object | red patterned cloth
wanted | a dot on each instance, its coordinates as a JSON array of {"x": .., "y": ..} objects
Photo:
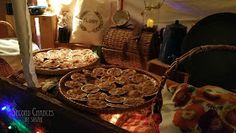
[{"x": 138, "y": 123}]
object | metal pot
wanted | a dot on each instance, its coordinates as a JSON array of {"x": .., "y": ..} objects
[{"x": 171, "y": 37}]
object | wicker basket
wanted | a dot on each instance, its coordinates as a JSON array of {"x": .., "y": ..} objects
[
  {"x": 117, "y": 57},
  {"x": 7, "y": 30},
  {"x": 129, "y": 47},
  {"x": 5, "y": 69},
  {"x": 107, "y": 110},
  {"x": 157, "y": 103},
  {"x": 56, "y": 71}
]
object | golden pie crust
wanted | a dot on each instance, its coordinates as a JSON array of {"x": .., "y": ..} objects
[
  {"x": 117, "y": 91},
  {"x": 78, "y": 77},
  {"x": 114, "y": 72},
  {"x": 73, "y": 84},
  {"x": 97, "y": 96},
  {"x": 106, "y": 86},
  {"x": 135, "y": 93},
  {"x": 128, "y": 72},
  {"x": 115, "y": 99},
  {"x": 138, "y": 78},
  {"x": 52, "y": 64},
  {"x": 90, "y": 88},
  {"x": 98, "y": 72},
  {"x": 74, "y": 91},
  {"x": 76, "y": 94}
]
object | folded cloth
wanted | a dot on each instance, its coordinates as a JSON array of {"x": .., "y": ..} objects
[
  {"x": 10, "y": 47},
  {"x": 138, "y": 121}
]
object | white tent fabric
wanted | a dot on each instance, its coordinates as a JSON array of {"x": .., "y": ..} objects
[
  {"x": 187, "y": 11},
  {"x": 24, "y": 35}
]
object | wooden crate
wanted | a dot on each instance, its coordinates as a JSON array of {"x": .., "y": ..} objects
[{"x": 48, "y": 29}]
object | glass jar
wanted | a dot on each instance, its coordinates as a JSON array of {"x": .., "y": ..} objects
[{"x": 64, "y": 20}]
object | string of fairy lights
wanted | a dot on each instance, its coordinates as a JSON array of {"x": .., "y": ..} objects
[{"x": 11, "y": 123}]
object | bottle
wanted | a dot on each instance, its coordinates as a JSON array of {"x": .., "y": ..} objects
[
  {"x": 9, "y": 8},
  {"x": 63, "y": 27}
]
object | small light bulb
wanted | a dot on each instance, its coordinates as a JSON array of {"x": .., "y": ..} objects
[
  {"x": 9, "y": 127},
  {"x": 4, "y": 108},
  {"x": 39, "y": 130}
]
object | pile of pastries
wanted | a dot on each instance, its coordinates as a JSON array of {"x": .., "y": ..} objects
[
  {"x": 110, "y": 87},
  {"x": 61, "y": 59}
]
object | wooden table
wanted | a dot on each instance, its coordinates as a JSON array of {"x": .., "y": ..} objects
[{"x": 53, "y": 96}]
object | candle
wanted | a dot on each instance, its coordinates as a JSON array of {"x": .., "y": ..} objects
[{"x": 150, "y": 23}]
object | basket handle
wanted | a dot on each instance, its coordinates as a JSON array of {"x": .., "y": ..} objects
[
  {"x": 137, "y": 32},
  {"x": 175, "y": 64}
]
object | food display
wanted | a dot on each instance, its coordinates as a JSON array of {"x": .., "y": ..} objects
[
  {"x": 108, "y": 88},
  {"x": 63, "y": 60}
]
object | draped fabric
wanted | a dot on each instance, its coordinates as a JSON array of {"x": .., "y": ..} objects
[
  {"x": 187, "y": 11},
  {"x": 24, "y": 35}
]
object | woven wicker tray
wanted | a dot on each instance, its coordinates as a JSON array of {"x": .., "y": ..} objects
[
  {"x": 57, "y": 71},
  {"x": 107, "y": 110}
]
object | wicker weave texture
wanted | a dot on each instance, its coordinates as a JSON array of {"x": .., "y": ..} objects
[
  {"x": 7, "y": 30},
  {"x": 127, "y": 59},
  {"x": 5, "y": 68},
  {"x": 124, "y": 40}
]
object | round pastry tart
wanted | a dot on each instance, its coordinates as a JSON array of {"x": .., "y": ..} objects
[
  {"x": 77, "y": 94},
  {"x": 90, "y": 88},
  {"x": 108, "y": 88},
  {"x": 114, "y": 72},
  {"x": 73, "y": 84},
  {"x": 78, "y": 76},
  {"x": 98, "y": 72},
  {"x": 117, "y": 91},
  {"x": 134, "y": 93},
  {"x": 97, "y": 96}
]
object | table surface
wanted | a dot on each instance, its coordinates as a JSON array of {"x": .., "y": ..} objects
[{"x": 168, "y": 110}]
